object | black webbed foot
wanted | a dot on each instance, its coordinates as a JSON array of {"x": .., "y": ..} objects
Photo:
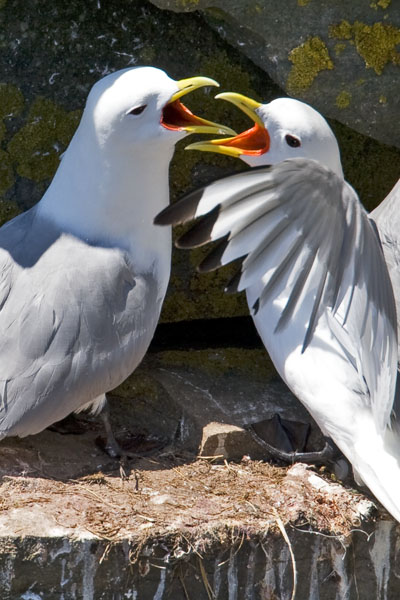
[{"x": 288, "y": 443}]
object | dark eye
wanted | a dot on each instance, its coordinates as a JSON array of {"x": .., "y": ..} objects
[
  {"x": 292, "y": 141},
  {"x": 138, "y": 110}
]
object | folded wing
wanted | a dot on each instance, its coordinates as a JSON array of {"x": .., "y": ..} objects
[{"x": 73, "y": 323}]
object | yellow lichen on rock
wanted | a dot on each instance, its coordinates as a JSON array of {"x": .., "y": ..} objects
[
  {"x": 6, "y": 173},
  {"x": 339, "y": 47},
  {"x": 343, "y": 99},
  {"x": 303, "y": 2},
  {"x": 11, "y": 100},
  {"x": 380, "y": 4},
  {"x": 36, "y": 147},
  {"x": 8, "y": 210},
  {"x": 188, "y": 3},
  {"x": 341, "y": 31},
  {"x": 308, "y": 60},
  {"x": 376, "y": 43}
]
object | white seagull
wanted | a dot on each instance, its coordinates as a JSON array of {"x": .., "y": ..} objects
[
  {"x": 315, "y": 278},
  {"x": 84, "y": 272}
]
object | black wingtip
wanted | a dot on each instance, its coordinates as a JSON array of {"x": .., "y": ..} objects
[
  {"x": 162, "y": 218},
  {"x": 256, "y": 306},
  {"x": 233, "y": 285},
  {"x": 200, "y": 233},
  {"x": 182, "y": 211},
  {"x": 213, "y": 260}
]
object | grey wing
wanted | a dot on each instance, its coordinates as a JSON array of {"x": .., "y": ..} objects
[
  {"x": 321, "y": 239},
  {"x": 387, "y": 219},
  {"x": 73, "y": 325}
]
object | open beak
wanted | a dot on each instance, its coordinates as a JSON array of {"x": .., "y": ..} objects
[
  {"x": 178, "y": 117},
  {"x": 252, "y": 142}
]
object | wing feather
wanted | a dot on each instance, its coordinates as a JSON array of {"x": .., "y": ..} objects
[
  {"x": 387, "y": 219},
  {"x": 73, "y": 321},
  {"x": 317, "y": 237},
  {"x": 202, "y": 201}
]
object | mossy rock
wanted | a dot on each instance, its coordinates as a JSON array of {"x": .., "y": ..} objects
[{"x": 318, "y": 51}]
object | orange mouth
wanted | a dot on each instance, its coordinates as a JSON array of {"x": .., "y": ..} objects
[
  {"x": 176, "y": 116},
  {"x": 252, "y": 142}
]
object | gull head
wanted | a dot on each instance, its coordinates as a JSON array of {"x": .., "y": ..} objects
[
  {"x": 143, "y": 105},
  {"x": 113, "y": 177},
  {"x": 284, "y": 128}
]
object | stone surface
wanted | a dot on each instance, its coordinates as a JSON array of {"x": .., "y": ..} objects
[
  {"x": 341, "y": 57},
  {"x": 233, "y": 386},
  {"x": 75, "y": 524},
  {"x": 146, "y": 536},
  {"x": 228, "y": 442},
  {"x": 255, "y": 567}
]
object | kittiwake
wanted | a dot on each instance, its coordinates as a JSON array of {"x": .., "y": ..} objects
[
  {"x": 315, "y": 277},
  {"x": 84, "y": 272}
]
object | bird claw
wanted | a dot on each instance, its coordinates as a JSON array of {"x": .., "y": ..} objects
[
  {"x": 329, "y": 456},
  {"x": 111, "y": 446}
]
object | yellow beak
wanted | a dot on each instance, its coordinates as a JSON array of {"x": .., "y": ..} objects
[
  {"x": 185, "y": 86},
  {"x": 253, "y": 141},
  {"x": 177, "y": 116},
  {"x": 246, "y": 105}
]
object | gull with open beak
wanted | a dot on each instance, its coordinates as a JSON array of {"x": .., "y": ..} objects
[
  {"x": 84, "y": 272},
  {"x": 315, "y": 277}
]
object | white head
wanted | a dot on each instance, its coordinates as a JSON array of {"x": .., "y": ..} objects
[
  {"x": 141, "y": 106},
  {"x": 115, "y": 171},
  {"x": 284, "y": 128},
  {"x": 296, "y": 130}
]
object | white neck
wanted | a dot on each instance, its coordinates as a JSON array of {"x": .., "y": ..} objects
[{"x": 112, "y": 198}]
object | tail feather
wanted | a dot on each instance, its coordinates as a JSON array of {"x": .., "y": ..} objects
[{"x": 376, "y": 459}]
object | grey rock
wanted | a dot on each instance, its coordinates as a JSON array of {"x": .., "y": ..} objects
[
  {"x": 233, "y": 387},
  {"x": 255, "y": 566},
  {"x": 228, "y": 442},
  {"x": 48, "y": 552},
  {"x": 343, "y": 58}
]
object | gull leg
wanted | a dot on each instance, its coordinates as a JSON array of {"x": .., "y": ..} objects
[
  {"x": 320, "y": 456},
  {"x": 112, "y": 447},
  {"x": 330, "y": 455},
  {"x": 99, "y": 406}
]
